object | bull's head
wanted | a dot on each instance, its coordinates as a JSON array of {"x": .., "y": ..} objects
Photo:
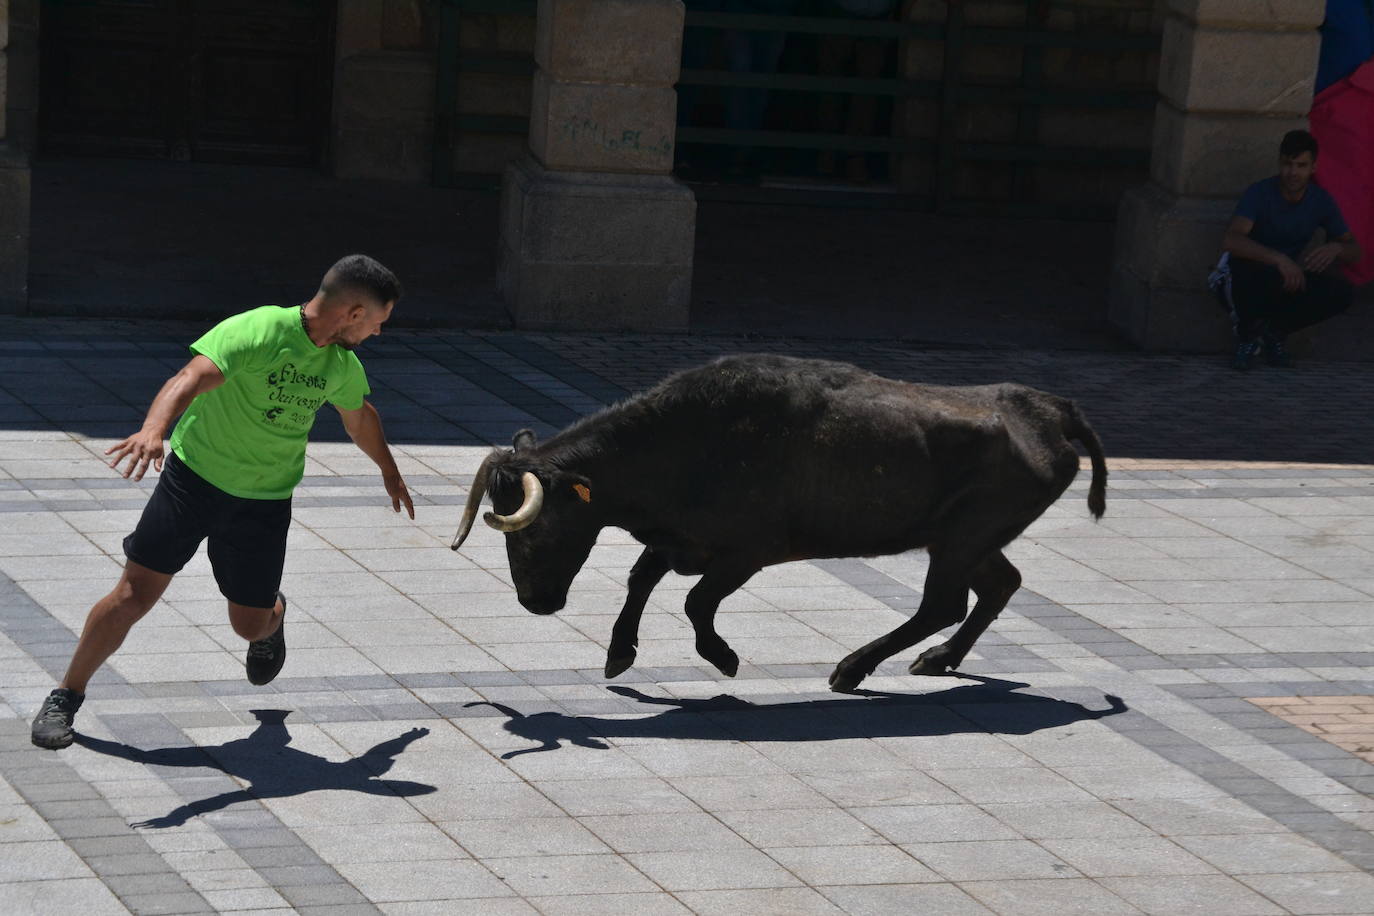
[{"x": 546, "y": 515}]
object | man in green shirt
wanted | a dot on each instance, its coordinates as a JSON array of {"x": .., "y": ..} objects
[{"x": 247, "y": 400}]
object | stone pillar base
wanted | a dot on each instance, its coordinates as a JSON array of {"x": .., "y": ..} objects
[
  {"x": 14, "y": 234},
  {"x": 583, "y": 250},
  {"x": 1165, "y": 247}
]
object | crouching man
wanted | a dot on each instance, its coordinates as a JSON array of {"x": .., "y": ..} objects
[{"x": 1278, "y": 281}]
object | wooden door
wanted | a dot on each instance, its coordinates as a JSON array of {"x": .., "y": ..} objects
[
  {"x": 259, "y": 80},
  {"x": 108, "y": 76},
  {"x": 205, "y": 80}
]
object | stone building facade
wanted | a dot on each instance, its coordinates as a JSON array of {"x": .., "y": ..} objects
[
  {"x": 388, "y": 56},
  {"x": 385, "y": 89},
  {"x": 1236, "y": 75},
  {"x": 1231, "y": 76}
]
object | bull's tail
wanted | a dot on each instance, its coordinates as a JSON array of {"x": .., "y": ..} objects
[{"x": 1076, "y": 427}]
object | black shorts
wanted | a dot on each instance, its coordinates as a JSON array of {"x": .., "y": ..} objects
[{"x": 247, "y": 536}]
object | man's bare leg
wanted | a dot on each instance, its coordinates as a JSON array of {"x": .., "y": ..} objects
[
  {"x": 254, "y": 623},
  {"x": 108, "y": 622},
  {"x": 111, "y": 619}
]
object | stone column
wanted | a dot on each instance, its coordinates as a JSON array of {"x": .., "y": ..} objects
[
  {"x": 18, "y": 111},
  {"x": 383, "y": 105},
  {"x": 1234, "y": 76},
  {"x": 595, "y": 231}
]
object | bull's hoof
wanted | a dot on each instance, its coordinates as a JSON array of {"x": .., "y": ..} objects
[
  {"x": 724, "y": 658},
  {"x": 619, "y": 664},
  {"x": 929, "y": 667},
  {"x": 728, "y": 666},
  {"x": 934, "y": 662},
  {"x": 849, "y": 673},
  {"x": 845, "y": 681}
]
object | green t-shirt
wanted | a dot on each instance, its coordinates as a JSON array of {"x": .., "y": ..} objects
[{"x": 248, "y": 436}]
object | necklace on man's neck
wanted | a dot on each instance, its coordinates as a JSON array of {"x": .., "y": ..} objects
[{"x": 305, "y": 323}]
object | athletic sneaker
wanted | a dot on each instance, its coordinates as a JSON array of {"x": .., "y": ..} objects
[
  {"x": 266, "y": 656},
  {"x": 1275, "y": 353},
  {"x": 1246, "y": 351},
  {"x": 52, "y": 727}
]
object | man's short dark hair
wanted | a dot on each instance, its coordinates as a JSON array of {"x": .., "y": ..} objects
[
  {"x": 360, "y": 273},
  {"x": 1297, "y": 142}
]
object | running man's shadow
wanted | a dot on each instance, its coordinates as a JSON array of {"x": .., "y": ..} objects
[
  {"x": 989, "y": 706},
  {"x": 270, "y": 766}
]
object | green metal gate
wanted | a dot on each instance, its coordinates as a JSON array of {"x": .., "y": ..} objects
[{"x": 947, "y": 152}]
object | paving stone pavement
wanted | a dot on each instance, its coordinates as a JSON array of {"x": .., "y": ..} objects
[{"x": 1167, "y": 718}]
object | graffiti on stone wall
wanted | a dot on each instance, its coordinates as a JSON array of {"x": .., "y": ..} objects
[{"x": 588, "y": 130}]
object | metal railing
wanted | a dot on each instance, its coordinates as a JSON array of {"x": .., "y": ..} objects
[{"x": 945, "y": 150}]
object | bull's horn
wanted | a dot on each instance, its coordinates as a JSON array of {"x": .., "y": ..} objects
[
  {"x": 479, "y": 490},
  {"x": 522, "y": 517}
]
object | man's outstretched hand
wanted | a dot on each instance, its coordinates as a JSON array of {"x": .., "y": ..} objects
[
  {"x": 143, "y": 448},
  {"x": 396, "y": 489}
]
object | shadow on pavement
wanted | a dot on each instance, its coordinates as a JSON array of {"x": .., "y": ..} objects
[
  {"x": 270, "y": 767},
  {"x": 988, "y": 707}
]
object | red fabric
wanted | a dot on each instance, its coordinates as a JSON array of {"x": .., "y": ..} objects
[{"x": 1342, "y": 120}]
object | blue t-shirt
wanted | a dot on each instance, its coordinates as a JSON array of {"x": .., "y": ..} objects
[{"x": 1288, "y": 227}]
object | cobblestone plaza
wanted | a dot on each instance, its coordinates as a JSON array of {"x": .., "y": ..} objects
[{"x": 1174, "y": 715}]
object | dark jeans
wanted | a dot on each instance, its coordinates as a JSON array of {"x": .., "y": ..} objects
[{"x": 1259, "y": 303}]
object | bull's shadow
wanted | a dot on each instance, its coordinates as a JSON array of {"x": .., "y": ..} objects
[
  {"x": 270, "y": 766},
  {"x": 989, "y": 706}
]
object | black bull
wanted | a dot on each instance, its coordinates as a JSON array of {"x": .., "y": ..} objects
[{"x": 755, "y": 460}]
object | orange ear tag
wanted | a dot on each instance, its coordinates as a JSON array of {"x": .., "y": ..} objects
[{"x": 583, "y": 493}]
